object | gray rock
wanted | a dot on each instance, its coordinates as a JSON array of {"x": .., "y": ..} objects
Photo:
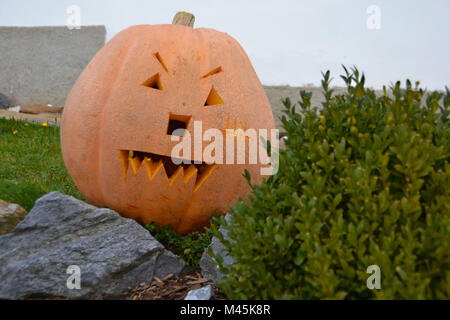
[
  {"x": 10, "y": 215},
  {"x": 208, "y": 265},
  {"x": 204, "y": 293},
  {"x": 113, "y": 253},
  {"x": 4, "y": 102}
]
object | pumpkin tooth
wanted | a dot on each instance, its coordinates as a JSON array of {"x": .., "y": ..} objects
[
  {"x": 189, "y": 173},
  {"x": 124, "y": 162},
  {"x": 175, "y": 175},
  {"x": 172, "y": 171},
  {"x": 152, "y": 167},
  {"x": 135, "y": 162},
  {"x": 203, "y": 175}
]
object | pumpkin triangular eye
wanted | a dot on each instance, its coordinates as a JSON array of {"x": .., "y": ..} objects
[
  {"x": 153, "y": 82},
  {"x": 213, "y": 98}
]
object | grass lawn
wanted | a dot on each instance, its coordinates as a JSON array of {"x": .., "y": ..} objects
[{"x": 31, "y": 163}]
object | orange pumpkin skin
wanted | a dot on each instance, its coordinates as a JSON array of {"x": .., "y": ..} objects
[{"x": 111, "y": 110}]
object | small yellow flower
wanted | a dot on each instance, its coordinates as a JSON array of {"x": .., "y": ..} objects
[
  {"x": 44, "y": 124},
  {"x": 15, "y": 132}
]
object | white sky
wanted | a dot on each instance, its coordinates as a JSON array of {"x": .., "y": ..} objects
[{"x": 288, "y": 41}]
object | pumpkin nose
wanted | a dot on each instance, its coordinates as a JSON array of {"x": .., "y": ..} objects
[{"x": 178, "y": 124}]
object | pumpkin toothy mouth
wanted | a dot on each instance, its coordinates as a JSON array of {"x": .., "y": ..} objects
[{"x": 154, "y": 162}]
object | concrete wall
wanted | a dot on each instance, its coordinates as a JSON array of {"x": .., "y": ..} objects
[{"x": 40, "y": 64}]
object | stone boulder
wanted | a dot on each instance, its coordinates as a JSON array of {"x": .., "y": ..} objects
[
  {"x": 10, "y": 215},
  {"x": 4, "y": 102},
  {"x": 205, "y": 293},
  {"x": 208, "y": 265},
  {"x": 68, "y": 248}
]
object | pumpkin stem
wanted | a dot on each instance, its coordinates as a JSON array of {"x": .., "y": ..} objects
[{"x": 184, "y": 18}]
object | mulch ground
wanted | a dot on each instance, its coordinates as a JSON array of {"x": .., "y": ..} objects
[{"x": 169, "y": 288}]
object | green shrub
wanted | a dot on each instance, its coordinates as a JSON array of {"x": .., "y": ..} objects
[{"x": 364, "y": 180}]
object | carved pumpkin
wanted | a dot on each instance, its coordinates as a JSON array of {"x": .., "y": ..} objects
[{"x": 119, "y": 117}]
